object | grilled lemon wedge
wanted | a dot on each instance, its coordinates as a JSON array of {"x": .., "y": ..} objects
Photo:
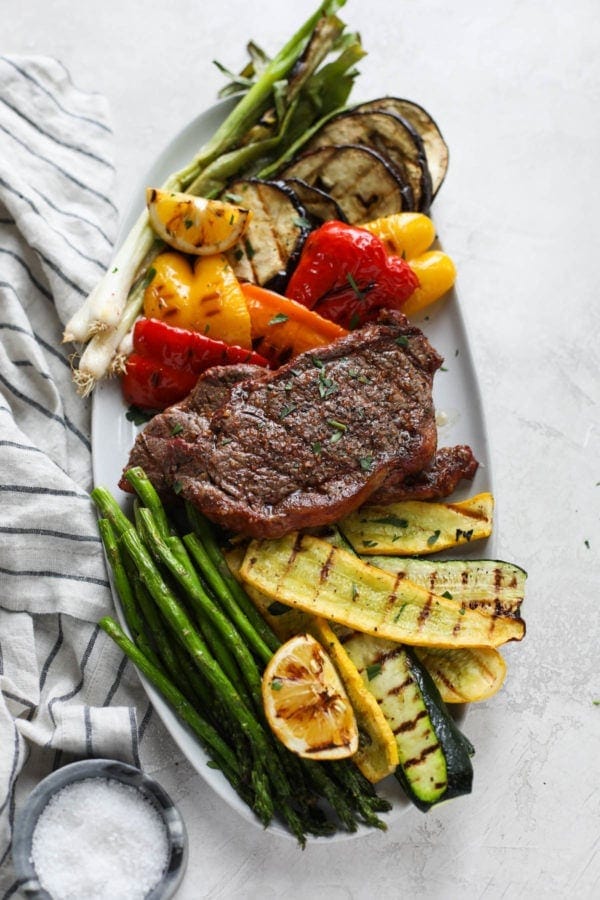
[
  {"x": 194, "y": 224},
  {"x": 305, "y": 702}
]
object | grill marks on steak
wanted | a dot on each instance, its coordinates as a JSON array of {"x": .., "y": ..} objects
[
  {"x": 165, "y": 441},
  {"x": 306, "y": 444},
  {"x": 438, "y": 480}
]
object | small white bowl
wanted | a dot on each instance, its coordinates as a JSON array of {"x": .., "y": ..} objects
[{"x": 99, "y": 768}]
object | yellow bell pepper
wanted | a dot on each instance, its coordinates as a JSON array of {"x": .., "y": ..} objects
[
  {"x": 436, "y": 273},
  {"x": 410, "y": 235},
  {"x": 405, "y": 234},
  {"x": 206, "y": 298}
]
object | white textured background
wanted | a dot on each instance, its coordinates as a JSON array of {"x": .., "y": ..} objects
[{"x": 515, "y": 87}]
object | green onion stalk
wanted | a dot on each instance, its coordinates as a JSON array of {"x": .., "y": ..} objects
[{"x": 287, "y": 95}]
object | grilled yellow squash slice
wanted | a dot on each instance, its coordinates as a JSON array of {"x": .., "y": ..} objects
[
  {"x": 377, "y": 754},
  {"x": 466, "y": 675},
  {"x": 307, "y": 572},
  {"x": 418, "y": 527}
]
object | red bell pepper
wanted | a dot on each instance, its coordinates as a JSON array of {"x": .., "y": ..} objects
[
  {"x": 345, "y": 274},
  {"x": 166, "y": 362},
  {"x": 152, "y": 386},
  {"x": 188, "y": 351}
]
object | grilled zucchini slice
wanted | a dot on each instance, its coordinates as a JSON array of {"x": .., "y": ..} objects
[
  {"x": 466, "y": 675},
  {"x": 360, "y": 180},
  {"x": 487, "y": 584},
  {"x": 275, "y": 235},
  {"x": 388, "y": 134},
  {"x": 434, "y": 757}
]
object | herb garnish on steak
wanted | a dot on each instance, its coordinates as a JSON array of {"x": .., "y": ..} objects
[{"x": 306, "y": 444}]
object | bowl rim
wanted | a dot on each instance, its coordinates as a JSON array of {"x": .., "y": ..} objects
[{"x": 108, "y": 769}]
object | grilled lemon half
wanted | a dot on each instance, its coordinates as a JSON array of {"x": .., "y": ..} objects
[
  {"x": 305, "y": 702},
  {"x": 194, "y": 224}
]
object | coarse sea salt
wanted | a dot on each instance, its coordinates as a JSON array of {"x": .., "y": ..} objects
[{"x": 99, "y": 839}]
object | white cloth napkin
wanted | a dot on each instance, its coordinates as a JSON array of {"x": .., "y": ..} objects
[{"x": 65, "y": 690}]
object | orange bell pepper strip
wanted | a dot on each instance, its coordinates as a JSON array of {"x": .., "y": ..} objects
[{"x": 282, "y": 328}]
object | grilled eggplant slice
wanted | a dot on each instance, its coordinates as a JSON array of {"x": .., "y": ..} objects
[
  {"x": 274, "y": 238},
  {"x": 359, "y": 180},
  {"x": 388, "y": 134},
  {"x": 320, "y": 207},
  {"x": 436, "y": 149}
]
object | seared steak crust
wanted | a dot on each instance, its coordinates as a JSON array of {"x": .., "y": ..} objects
[
  {"x": 156, "y": 448},
  {"x": 440, "y": 479},
  {"x": 304, "y": 445}
]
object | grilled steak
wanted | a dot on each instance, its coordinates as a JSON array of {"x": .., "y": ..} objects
[
  {"x": 156, "y": 449},
  {"x": 440, "y": 479},
  {"x": 306, "y": 444}
]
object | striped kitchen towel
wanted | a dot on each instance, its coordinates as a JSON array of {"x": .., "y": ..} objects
[{"x": 65, "y": 690}]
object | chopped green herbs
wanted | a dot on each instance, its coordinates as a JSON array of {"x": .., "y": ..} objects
[
  {"x": 176, "y": 429},
  {"x": 302, "y": 222},
  {"x": 137, "y": 416},
  {"x": 373, "y": 671},
  {"x": 188, "y": 223},
  {"x": 402, "y": 341},
  {"x": 278, "y": 319},
  {"x": 339, "y": 429},
  {"x": 400, "y": 611},
  {"x": 395, "y": 521},
  {"x": 366, "y": 463},
  {"x": 354, "y": 286},
  {"x": 276, "y": 684},
  {"x": 433, "y": 538},
  {"x": 286, "y": 410},
  {"x": 177, "y": 487},
  {"x": 316, "y": 448},
  {"x": 327, "y": 386}
]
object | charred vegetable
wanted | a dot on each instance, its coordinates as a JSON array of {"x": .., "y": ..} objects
[
  {"x": 436, "y": 149},
  {"x": 488, "y": 584},
  {"x": 413, "y": 527},
  {"x": 306, "y": 572},
  {"x": 434, "y": 759},
  {"x": 392, "y": 137},
  {"x": 275, "y": 235},
  {"x": 345, "y": 274},
  {"x": 319, "y": 205},
  {"x": 360, "y": 180}
]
